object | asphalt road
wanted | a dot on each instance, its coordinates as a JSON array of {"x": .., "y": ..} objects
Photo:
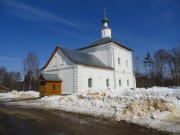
[{"x": 18, "y": 121}]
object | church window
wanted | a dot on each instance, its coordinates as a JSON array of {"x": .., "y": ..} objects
[
  {"x": 90, "y": 82},
  {"x": 107, "y": 82},
  {"x": 126, "y": 63},
  {"x": 119, "y": 61},
  {"x": 119, "y": 82},
  {"x": 60, "y": 60},
  {"x": 127, "y": 82},
  {"x": 55, "y": 60}
]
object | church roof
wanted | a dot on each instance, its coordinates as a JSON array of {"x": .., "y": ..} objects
[
  {"x": 83, "y": 58},
  {"x": 105, "y": 20},
  {"x": 79, "y": 58},
  {"x": 104, "y": 41},
  {"x": 51, "y": 77}
]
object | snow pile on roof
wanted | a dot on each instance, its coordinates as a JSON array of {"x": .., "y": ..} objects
[{"x": 154, "y": 107}]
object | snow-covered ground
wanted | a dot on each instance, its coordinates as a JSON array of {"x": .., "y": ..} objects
[
  {"x": 154, "y": 107},
  {"x": 18, "y": 95}
]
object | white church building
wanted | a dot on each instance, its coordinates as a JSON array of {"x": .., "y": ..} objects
[{"x": 103, "y": 64}]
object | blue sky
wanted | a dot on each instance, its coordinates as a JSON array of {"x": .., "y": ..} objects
[{"x": 41, "y": 25}]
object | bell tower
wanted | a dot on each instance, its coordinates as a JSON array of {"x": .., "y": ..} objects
[{"x": 106, "y": 30}]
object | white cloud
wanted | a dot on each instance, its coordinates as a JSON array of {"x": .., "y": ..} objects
[
  {"x": 10, "y": 59},
  {"x": 31, "y": 13},
  {"x": 69, "y": 33}
]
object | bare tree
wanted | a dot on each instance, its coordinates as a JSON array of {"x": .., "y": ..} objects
[
  {"x": 3, "y": 72},
  {"x": 9, "y": 79},
  {"x": 14, "y": 77},
  {"x": 31, "y": 68},
  {"x": 160, "y": 60},
  {"x": 174, "y": 63},
  {"x": 149, "y": 65},
  {"x": 137, "y": 64},
  {"x": 161, "y": 70}
]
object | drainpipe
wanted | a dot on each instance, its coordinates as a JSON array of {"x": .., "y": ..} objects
[
  {"x": 114, "y": 67},
  {"x": 74, "y": 79},
  {"x": 134, "y": 77},
  {"x": 134, "y": 81}
]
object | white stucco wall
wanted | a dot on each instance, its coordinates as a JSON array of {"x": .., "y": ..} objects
[
  {"x": 124, "y": 56},
  {"x": 66, "y": 75},
  {"x": 67, "y": 80},
  {"x": 102, "y": 52},
  {"x": 62, "y": 60},
  {"x": 124, "y": 70},
  {"x": 65, "y": 69},
  {"x": 98, "y": 76},
  {"x": 106, "y": 32},
  {"x": 124, "y": 78},
  {"x": 109, "y": 54}
]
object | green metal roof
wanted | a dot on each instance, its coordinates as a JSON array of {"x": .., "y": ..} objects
[{"x": 105, "y": 20}]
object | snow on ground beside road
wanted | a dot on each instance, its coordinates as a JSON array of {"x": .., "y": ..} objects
[
  {"x": 18, "y": 95},
  {"x": 154, "y": 107}
]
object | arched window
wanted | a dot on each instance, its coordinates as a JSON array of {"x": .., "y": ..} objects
[
  {"x": 119, "y": 61},
  {"x": 55, "y": 60},
  {"x": 127, "y": 82},
  {"x": 61, "y": 62},
  {"x": 119, "y": 82},
  {"x": 107, "y": 82},
  {"x": 90, "y": 82},
  {"x": 126, "y": 63}
]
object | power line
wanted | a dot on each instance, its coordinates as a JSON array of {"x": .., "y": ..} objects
[
  {"x": 6, "y": 55},
  {"x": 11, "y": 56}
]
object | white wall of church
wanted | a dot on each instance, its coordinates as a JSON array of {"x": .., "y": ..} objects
[
  {"x": 102, "y": 52},
  {"x": 118, "y": 58},
  {"x": 123, "y": 68},
  {"x": 66, "y": 75},
  {"x": 125, "y": 59},
  {"x": 124, "y": 81},
  {"x": 62, "y": 66},
  {"x": 98, "y": 76},
  {"x": 67, "y": 80},
  {"x": 106, "y": 32},
  {"x": 58, "y": 60}
]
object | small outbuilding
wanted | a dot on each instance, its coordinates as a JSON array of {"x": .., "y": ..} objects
[{"x": 50, "y": 84}]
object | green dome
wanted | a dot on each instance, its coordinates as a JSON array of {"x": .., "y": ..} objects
[{"x": 105, "y": 20}]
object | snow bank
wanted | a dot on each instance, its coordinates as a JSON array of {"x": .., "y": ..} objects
[
  {"x": 18, "y": 95},
  {"x": 154, "y": 107}
]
